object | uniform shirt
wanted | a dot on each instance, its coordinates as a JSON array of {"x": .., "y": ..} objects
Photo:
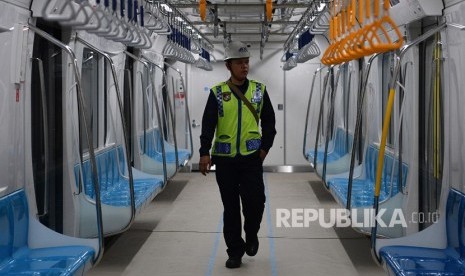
[{"x": 210, "y": 120}]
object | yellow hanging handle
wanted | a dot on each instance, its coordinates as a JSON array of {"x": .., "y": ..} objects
[{"x": 382, "y": 147}]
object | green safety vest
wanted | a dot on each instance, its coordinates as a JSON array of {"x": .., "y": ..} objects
[{"x": 237, "y": 131}]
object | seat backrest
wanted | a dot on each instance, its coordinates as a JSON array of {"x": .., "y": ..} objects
[
  {"x": 152, "y": 142},
  {"x": 390, "y": 163},
  {"x": 110, "y": 166},
  {"x": 455, "y": 224},
  {"x": 14, "y": 222},
  {"x": 342, "y": 141}
]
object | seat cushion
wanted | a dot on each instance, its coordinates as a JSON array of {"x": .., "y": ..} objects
[
  {"x": 362, "y": 191},
  {"x": 410, "y": 260},
  {"x": 66, "y": 260},
  {"x": 332, "y": 156},
  {"x": 114, "y": 187}
]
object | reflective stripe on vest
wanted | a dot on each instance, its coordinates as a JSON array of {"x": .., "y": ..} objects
[{"x": 237, "y": 131}]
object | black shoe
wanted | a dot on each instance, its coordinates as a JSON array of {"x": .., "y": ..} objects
[
  {"x": 233, "y": 262},
  {"x": 251, "y": 248}
]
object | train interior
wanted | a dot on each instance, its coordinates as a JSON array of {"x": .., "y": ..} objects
[{"x": 101, "y": 106}]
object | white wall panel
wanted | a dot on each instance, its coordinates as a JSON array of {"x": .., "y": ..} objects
[
  {"x": 298, "y": 83},
  {"x": 13, "y": 58}
]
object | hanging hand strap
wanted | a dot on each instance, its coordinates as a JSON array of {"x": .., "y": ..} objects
[{"x": 238, "y": 93}]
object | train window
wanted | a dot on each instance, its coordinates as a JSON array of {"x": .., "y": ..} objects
[
  {"x": 145, "y": 116},
  {"x": 90, "y": 89},
  {"x": 167, "y": 91},
  {"x": 47, "y": 75}
]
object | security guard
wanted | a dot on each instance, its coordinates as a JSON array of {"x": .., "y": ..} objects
[{"x": 239, "y": 150}]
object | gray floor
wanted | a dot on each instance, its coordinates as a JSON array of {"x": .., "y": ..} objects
[{"x": 179, "y": 233}]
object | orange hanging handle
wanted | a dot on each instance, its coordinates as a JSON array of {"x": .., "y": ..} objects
[
  {"x": 269, "y": 10},
  {"x": 203, "y": 9},
  {"x": 360, "y": 12},
  {"x": 386, "y": 5},
  {"x": 368, "y": 9},
  {"x": 386, "y": 20},
  {"x": 352, "y": 14},
  {"x": 343, "y": 21}
]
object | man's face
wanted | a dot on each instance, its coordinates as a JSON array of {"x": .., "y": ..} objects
[{"x": 239, "y": 68}]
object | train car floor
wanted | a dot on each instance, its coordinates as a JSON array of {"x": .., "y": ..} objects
[{"x": 180, "y": 233}]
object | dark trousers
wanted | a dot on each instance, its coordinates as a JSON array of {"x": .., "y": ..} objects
[{"x": 241, "y": 179}]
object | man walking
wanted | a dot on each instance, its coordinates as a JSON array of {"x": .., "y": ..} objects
[{"x": 235, "y": 109}]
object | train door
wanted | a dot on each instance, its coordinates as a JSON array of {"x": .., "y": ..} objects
[{"x": 431, "y": 124}]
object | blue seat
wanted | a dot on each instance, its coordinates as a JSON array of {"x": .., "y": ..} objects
[
  {"x": 114, "y": 186},
  {"x": 154, "y": 150},
  {"x": 16, "y": 258},
  {"x": 413, "y": 260},
  {"x": 363, "y": 187},
  {"x": 340, "y": 148}
]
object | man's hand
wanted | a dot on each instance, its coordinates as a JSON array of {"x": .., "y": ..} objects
[
  {"x": 263, "y": 154},
  {"x": 205, "y": 164}
]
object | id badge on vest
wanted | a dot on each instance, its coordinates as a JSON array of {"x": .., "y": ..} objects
[{"x": 257, "y": 97}]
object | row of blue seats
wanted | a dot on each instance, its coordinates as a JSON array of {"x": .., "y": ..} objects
[
  {"x": 18, "y": 258},
  {"x": 401, "y": 259},
  {"x": 153, "y": 148},
  {"x": 339, "y": 147},
  {"x": 114, "y": 185},
  {"x": 427, "y": 258},
  {"x": 362, "y": 186}
]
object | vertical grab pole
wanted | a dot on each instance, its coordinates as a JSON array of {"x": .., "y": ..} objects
[
  {"x": 325, "y": 84},
  {"x": 386, "y": 125},
  {"x": 330, "y": 124},
  {"x": 43, "y": 99},
  {"x": 82, "y": 111},
  {"x": 126, "y": 143},
  {"x": 152, "y": 80},
  {"x": 187, "y": 108},
  {"x": 358, "y": 126},
  {"x": 308, "y": 111}
]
